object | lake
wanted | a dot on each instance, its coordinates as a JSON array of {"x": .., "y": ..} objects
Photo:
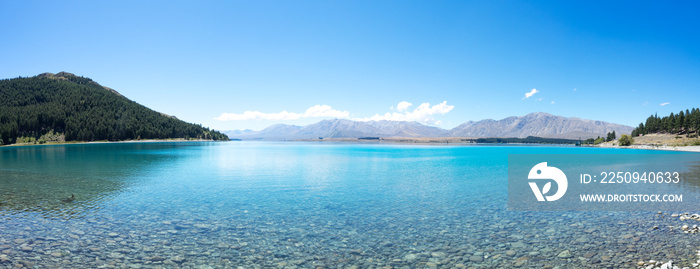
[{"x": 303, "y": 205}]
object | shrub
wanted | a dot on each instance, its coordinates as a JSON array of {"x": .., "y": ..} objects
[{"x": 625, "y": 140}]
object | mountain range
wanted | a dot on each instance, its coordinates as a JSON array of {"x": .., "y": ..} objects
[{"x": 534, "y": 124}]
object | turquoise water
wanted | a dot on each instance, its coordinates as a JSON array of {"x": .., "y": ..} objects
[{"x": 302, "y": 205}]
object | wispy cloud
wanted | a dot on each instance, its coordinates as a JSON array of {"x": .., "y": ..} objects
[
  {"x": 530, "y": 93},
  {"x": 423, "y": 113},
  {"x": 552, "y": 102},
  {"x": 317, "y": 111},
  {"x": 574, "y": 89},
  {"x": 665, "y": 104}
]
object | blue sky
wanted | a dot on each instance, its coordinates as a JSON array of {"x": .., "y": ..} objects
[{"x": 250, "y": 64}]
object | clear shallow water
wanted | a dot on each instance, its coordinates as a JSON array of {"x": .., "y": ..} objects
[{"x": 305, "y": 205}]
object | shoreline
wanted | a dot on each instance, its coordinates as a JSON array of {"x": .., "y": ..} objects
[
  {"x": 447, "y": 140},
  {"x": 463, "y": 141},
  {"x": 654, "y": 147},
  {"x": 666, "y": 142},
  {"x": 106, "y": 142},
  {"x": 466, "y": 141}
]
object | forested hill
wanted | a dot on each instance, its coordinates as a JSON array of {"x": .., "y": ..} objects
[
  {"x": 66, "y": 107},
  {"x": 684, "y": 122}
]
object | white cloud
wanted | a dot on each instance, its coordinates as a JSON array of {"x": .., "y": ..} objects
[
  {"x": 403, "y": 105},
  {"x": 319, "y": 111},
  {"x": 664, "y": 104},
  {"x": 316, "y": 111},
  {"x": 574, "y": 89},
  {"x": 257, "y": 115},
  {"x": 423, "y": 113},
  {"x": 530, "y": 93},
  {"x": 552, "y": 102}
]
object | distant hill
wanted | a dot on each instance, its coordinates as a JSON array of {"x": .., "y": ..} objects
[
  {"x": 337, "y": 129},
  {"x": 341, "y": 128},
  {"x": 274, "y": 132},
  {"x": 66, "y": 107},
  {"x": 539, "y": 125},
  {"x": 407, "y": 129},
  {"x": 534, "y": 124}
]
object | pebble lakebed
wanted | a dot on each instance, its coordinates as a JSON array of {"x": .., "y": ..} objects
[
  {"x": 411, "y": 237},
  {"x": 306, "y": 206}
]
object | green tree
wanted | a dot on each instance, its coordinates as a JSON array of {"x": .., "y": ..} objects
[
  {"x": 625, "y": 140},
  {"x": 611, "y": 136},
  {"x": 670, "y": 123},
  {"x": 687, "y": 121},
  {"x": 81, "y": 109}
]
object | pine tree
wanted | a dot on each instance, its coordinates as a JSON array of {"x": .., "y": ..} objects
[
  {"x": 83, "y": 110},
  {"x": 687, "y": 121}
]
